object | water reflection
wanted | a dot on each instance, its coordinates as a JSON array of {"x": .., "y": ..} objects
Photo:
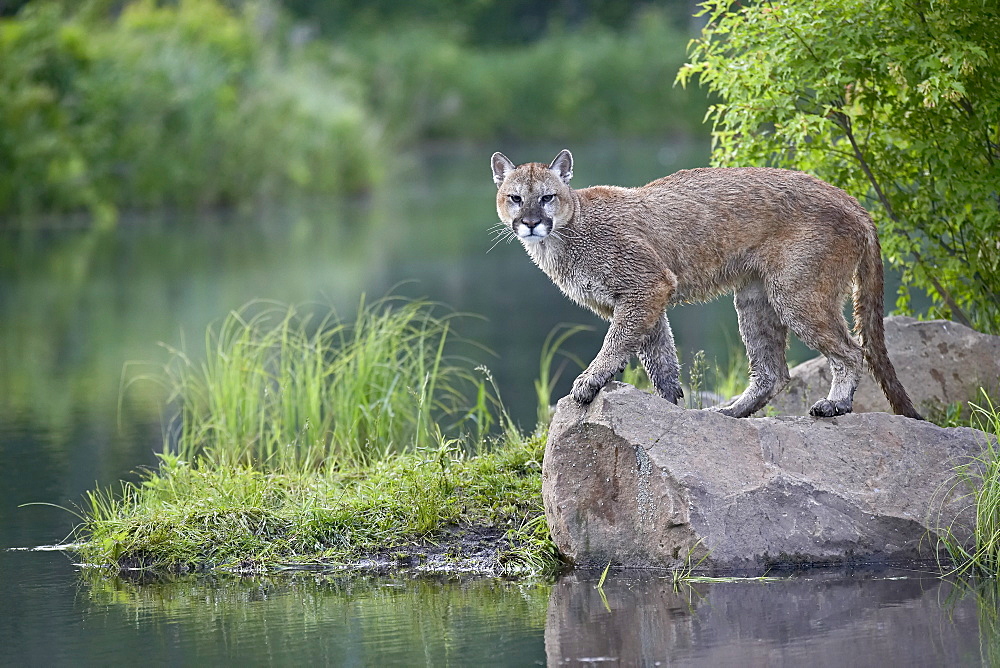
[
  {"x": 825, "y": 618},
  {"x": 334, "y": 621},
  {"x": 816, "y": 619}
]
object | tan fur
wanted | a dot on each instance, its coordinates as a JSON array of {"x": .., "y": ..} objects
[{"x": 787, "y": 244}]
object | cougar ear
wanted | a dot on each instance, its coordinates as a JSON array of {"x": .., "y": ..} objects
[
  {"x": 563, "y": 165},
  {"x": 502, "y": 166}
]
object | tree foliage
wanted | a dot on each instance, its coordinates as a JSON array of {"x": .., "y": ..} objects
[
  {"x": 184, "y": 104},
  {"x": 423, "y": 82},
  {"x": 897, "y": 102}
]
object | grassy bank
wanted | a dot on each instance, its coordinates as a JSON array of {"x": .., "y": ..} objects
[
  {"x": 485, "y": 511},
  {"x": 308, "y": 440}
]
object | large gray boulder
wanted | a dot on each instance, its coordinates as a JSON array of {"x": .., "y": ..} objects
[
  {"x": 938, "y": 361},
  {"x": 634, "y": 480}
]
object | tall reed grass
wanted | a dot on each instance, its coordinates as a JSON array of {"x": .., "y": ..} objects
[
  {"x": 980, "y": 479},
  {"x": 287, "y": 390},
  {"x": 547, "y": 376}
]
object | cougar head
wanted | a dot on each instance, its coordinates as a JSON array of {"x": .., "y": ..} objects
[{"x": 534, "y": 199}]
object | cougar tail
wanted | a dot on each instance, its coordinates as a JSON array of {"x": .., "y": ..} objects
[{"x": 868, "y": 325}]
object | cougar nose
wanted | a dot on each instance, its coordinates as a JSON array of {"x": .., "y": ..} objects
[{"x": 531, "y": 220}]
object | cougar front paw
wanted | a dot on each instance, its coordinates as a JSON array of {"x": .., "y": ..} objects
[
  {"x": 673, "y": 393},
  {"x": 586, "y": 387}
]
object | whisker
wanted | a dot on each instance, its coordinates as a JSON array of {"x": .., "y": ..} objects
[
  {"x": 500, "y": 232},
  {"x": 498, "y": 239},
  {"x": 497, "y": 242}
]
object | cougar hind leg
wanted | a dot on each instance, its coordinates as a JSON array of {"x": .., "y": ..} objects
[
  {"x": 846, "y": 376},
  {"x": 824, "y": 328},
  {"x": 764, "y": 335}
]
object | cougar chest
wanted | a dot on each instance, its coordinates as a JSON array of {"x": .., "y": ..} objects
[{"x": 575, "y": 279}]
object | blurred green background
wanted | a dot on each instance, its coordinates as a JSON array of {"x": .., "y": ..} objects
[{"x": 109, "y": 105}]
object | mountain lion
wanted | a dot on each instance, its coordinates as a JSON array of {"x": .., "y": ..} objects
[{"x": 787, "y": 244}]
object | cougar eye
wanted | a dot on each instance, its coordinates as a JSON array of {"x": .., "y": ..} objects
[
  {"x": 516, "y": 199},
  {"x": 547, "y": 198}
]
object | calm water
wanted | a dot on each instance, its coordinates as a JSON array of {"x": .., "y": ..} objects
[
  {"x": 81, "y": 316},
  {"x": 53, "y": 616}
]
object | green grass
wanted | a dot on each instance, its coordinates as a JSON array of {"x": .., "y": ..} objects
[
  {"x": 301, "y": 438},
  {"x": 195, "y": 517},
  {"x": 284, "y": 390},
  {"x": 304, "y": 439},
  {"x": 980, "y": 480}
]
